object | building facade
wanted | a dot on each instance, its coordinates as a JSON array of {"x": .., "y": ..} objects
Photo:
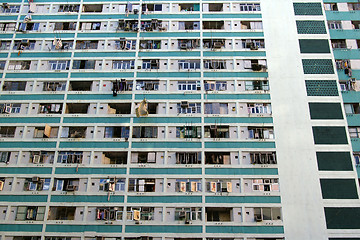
[{"x": 172, "y": 120}]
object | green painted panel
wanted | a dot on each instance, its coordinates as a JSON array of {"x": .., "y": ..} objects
[
  {"x": 343, "y": 76},
  {"x": 21, "y": 227},
  {"x": 330, "y": 135},
  {"x": 318, "y": 66},
  {"x": 167, "y": 120},
  {"x": 344, "y": 34},
  {"x": 108, "y": 16},
  {"x": 350, "y": 96},
  {"x": 8, "y": 18},
  {"x": 231, "y": 15},
  {"x": 97, "y": 171},
  {"x": 27, "y": 145},
  {"x": 244, "y": 199},
  {"x": 98, "y": 75},
  {"x": 32, "y": 97},
  {"x": 254, "y": 53},
  {"x": 170, "y": 34},
  {"x": 92, "y": 96},
  {"x": 168, "y": 74},
  {"x": 236, "y": 74},
  {"x": 42, "y": 55},
  {"x": 37, "y": 75},
  {"x": 338, "y": 189},
  {"x": 170, "y": 54},
  {"x": 241, "y": 171},
  {"x": 308, "y": 9},
  {"x": 342, "y": 218},
  {"x": 3, "y": 55},
  {"x": 43, "y": 35},
  {"x": 167, "y": 96},
  {"x": 29, "y": 120},
  {"x": 233, "y": 34},
  {"x": 334, "y": 161},
  {"x": 237, "y": 96},
  {"x": 4, "y": 36},
  {"x": 96, "y": 120},
  {"x": 311, "y": 27},
  {"x": 169, "y": 16},
  {"x": 163, "y": 229},
  {"x": 238, "y": 120},
  {"x": 239, "y": 144},
  {"x": 353, "y": 120},
  {"x": 52, "y": 17},
  {"x": 245, "y": 229},
  {"x": 165, "y": 171},
  {"x": 164, "y": 199},
  {"x": 325, "y": 111},
  {"x": 94, "y": 145},
  {"x": 25, "y": 170},
  {"x": 105, "y": 54},
  {"x": 355, "y": 143},
  {"x": 314, "y": 46},
  {"x": 83, "y": 228},
  {"x": 346, "y": 53},
  {"x": 88, "y": 198},
  {"x": 65, "y": 1},
  {"x": 23, "y": 198},
  {"x": 102, "y": 35},
  {"x": 166, "y": 145},
  {"x": 342, "y": 15},
  {"x": 321, "y": 88}
]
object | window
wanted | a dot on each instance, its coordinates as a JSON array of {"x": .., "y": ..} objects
[
  {"x": 55, "y": 108},
  {"x": 253, "y": 44},
  {"x": 14, "y": 86},
  {"x": 69, "y": 8},
  {"x": 334, "y": 25},
  {"x": 150, "y": 44},
  {"x": 216, "y": 108},
  {"x": 217, "y": 158},
  {"x": 10, "y": 108},
  {"x": 188, "y": 43},
  {"x": 29, "y": 26},
  {"x": 59, "y": 65},
  {"x": 188, "y": 132},
  {"x": 123, "y": 64},
  {"x": 189, "y": 64},
  {"x": 30, "y": 213},
  {"x": 215, "y": 64},
  {"x": 24, "y": 44},
  {"x": 19, "y": 65},
  {"x": 354, "y": 6},
  {"x": 219, "y": 186},
  {"x": 70, "y": 157},
  {"x": 188, "y": 185},
  {"x": 109, "y": 213},
  {"x": 87, "y": 44},
  {"x": 66, "y": 184},
  {"x": 215, "y": 86},
  {"x": 214, "y": 43},
  {"x": 188, "y": 158},
  {"x": 41, "y": 157},
  {"x": 354, "y": 132},
  {"x": 189, "y": 85},
  {"x": 65, "y": 26},
  {"x": 266, "y": 214},
  {"x": 124, "y": 44},
  {"x": 150, "y": 64},
  {"x": 338, "y": 43},
  {"x": 5, "y": 157},
  {"x": 37, "y": 184},
  {"x": 141, "y": 185},
  {"x": 116, "y": 132},
  {"x": 147, "y": 85},
  {"x": 355, "y": 24},
  {"x": 209, "y": 25},
  {"x": 265, "y": 185},
  {"x": 185, "y": 107},
  {"x": 90, "y": 26},
  {"x": 189, "y": 25},
  {"x": 151, "y": 7},
  {"x": 140, "y": 213},
  {"x": 251, "y": 25},
  {"x": 342, "y": 64},
  {"x": 112, "y": 185},
  {"x": 11, "y": 9},
  {"x": 54, "y": 86},
  {"x": 352, "y": 108},
  {"x": 143, "y": 157},
  {"x": 215, "y": 131},
  {"x": 7, "y": 132},
  {"x": 2, "y": 65},
  {"x": 83, "y": 64},
  {"x": 188, "y": 214},
  {"x": 259, "y": 108},
  {"x": 250, "y": 7},
  {"x": 145, "y": 132},
  {"x": 6, "y": 27},
  {"x": 263, "y": 158},
  {"x": 330, "y": 7},
  {"x": 261, "y": 133},
  {"x": 357, "y": 158}
]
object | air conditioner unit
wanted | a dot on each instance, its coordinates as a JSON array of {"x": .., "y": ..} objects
[
  {"x": 36, "y": 159},
  {"x": 70, "y": 188},
  {"x": 184, "y": 104},
  {"x": 35, "y": 179}
]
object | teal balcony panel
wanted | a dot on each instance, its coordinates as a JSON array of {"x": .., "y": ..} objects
[
  {"x": 101, "y": 35},
  {"x": 350, "y": 96},
  {"x": 358, "y": 170},
  {"x": 23, "y": 97},
  {"x": 3, "y": 55},
  {"x": 23, "y": 198},
  {"x": 43, "y": 35},
  {"x": 165, "y": 171},
  {"x": 23, "y": 145},
  {"x": 37, "y": 75},
  {"x": 82, "y": 170},
  {"x": 353, "y": 120},
  {"x": 241, "y": 171},
  {"x": 222, "y": 120},
  {"x": 25, "y": 170},
  {"x": 169, "y": 16},
  {"x": 105, "y": 54},
  {"x": 8, "y": 17},
  {"x": 343, "y": 76},
  {"x": 96, "y": 120},
  {"x": 164, "y": 199},
  {"x": 258, "y": 53},
  {"x": 183, "y": 35},
  {"x": 239, "y": 144},
  {"x": 30, "y": 120},
  {"x": 108, "y": 16},
  {"x": 342, "y": 15},
  {"x": 346, "y": 53},
  {"x": 51, "y": 17},
  {"x": 236, "y": 74},
  {"x": 62, "y": 1},
  {"x": 110, "y": 1},
  {"x": 12, "y": 1},
  {"x": 231, "y": 15},
  {"x": 245, "y": 229},
  {"x": 29, "y": 55},
  {"x": 233, "y": 34},
  {"x": 87, "y": 198},
  {"x": 344, "y": 34},
  {"x": 335, "y": 1},
  {"x": 170, "y": 54},
  {"x": 163, "y": 229},
  {"x": 166, "y": 145},
  {"x": 98, "y": 75},
  {"x": 159, "y": 74},
  {"x": 244, "y": 199},
  {"x": 94, "y": 145},
  {"x": 21, "y": 227},
  {"x": 4, "y": 36},
  {"x": 355, "y": 142},
  {"x": 185, "y": 120},
  {"x": 168, "y": 96},
  {"x": 57, "y": 228},
  {"x": 92, "y": 96}
]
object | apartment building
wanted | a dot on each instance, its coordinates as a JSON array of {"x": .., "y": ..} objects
[{"x": 172, "y": 120}]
